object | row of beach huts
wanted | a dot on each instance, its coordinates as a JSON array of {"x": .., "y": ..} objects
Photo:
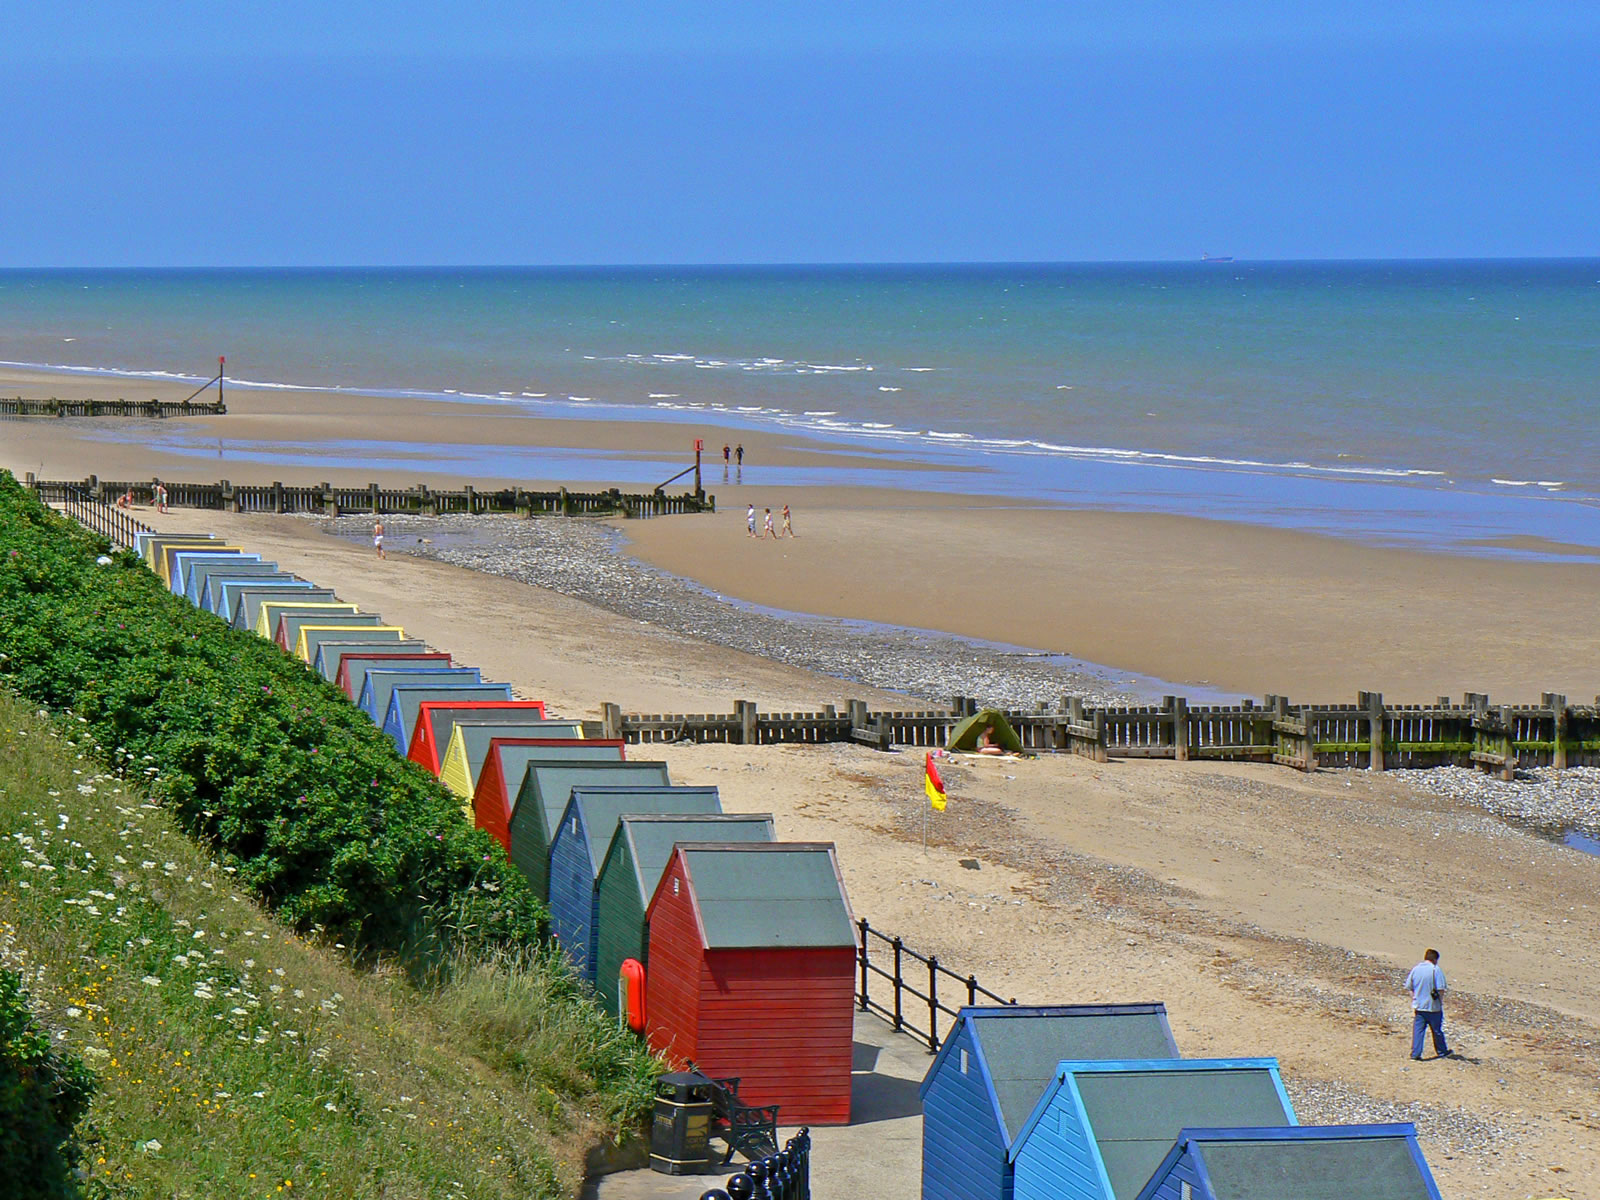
[
  {"x": 722, "y": 945},
  {"x": 737, "y": 952}
]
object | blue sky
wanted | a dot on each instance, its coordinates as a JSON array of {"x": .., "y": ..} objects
[{"x": 180, "y": 134}]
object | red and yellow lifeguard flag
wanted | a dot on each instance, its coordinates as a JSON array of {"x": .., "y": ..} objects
[{"x": 933, "y": 785}]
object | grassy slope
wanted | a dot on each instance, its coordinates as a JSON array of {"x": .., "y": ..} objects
[{"x": 263, "y": 1064}]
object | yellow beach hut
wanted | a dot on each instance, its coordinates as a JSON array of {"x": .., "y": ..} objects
[
  {"x": 468, "y": 748},
  {"x": 267, "y": 613},
  {"x": 305, "y": 646}
]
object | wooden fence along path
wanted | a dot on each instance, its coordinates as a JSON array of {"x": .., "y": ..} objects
[
  {"x": 329, "y": 500},
  {"x": 1367, "y": 734},
  {"x": 19, "y": 406}
]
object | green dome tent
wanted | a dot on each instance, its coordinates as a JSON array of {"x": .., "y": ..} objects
[{"x": 967, "y": 735}]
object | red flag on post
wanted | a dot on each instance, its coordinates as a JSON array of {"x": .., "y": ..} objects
[{"x": 933, "y": 785}]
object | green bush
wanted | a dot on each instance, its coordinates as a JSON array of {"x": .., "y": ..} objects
[
  {"x": 43, "y": 1092},
  {"x": 293, "y": 786}
]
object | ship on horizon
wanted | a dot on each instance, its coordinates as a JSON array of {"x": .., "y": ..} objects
[{"x": 1204, "y": 257}]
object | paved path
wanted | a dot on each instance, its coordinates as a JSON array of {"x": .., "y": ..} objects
[{"x": 879, "y": 1154}]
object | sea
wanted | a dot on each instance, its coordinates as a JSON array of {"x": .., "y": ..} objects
[{"x": 1450, "y": 405}]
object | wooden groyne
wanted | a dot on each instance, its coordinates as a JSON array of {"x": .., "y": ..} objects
[
  {"x": 1367, "y": 734},
  {"x": 327, "y": 499},
  {"x": 21, "y": 406}
]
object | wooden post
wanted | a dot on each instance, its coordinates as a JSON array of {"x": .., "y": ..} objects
[
  {"x": 471, "y": 505},
  {"x": 1309, "y": 715},
  {"x": 745, "y": 712},
  {"x": 277, "y": 496},
  {"x": 1373, "y": 703},
  {"x": 372, "y": 493},
  {"x": 1180, "y": 727},
  {"x": 330, "y": 502},
  {"x": 611, "y": 719},
  {"x": 1102, "y": 752},
  {"x": 1508, "y": 770},
  {"x": 1558, "y": 729}
]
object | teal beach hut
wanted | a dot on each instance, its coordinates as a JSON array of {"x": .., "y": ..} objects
[
  {"x": 247, "y": 604},
  {"x": 379, "y": 684},
  {"x": 1101, "y": 1129},
  {"x": 404, "y": 702},
  {"x": 992, "y": 1069},
  {"x": 201, "y": 575},
  {"x": 631, "y": 870},
  {"x": 325, "y": 662},
  {"x": 579, "y": 845},
  {"x": 542, "y": 798},
  {"x": 1306, "y": 1162}
]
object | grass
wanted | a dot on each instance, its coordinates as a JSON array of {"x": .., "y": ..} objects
[{"x": 235, "y": 1058}]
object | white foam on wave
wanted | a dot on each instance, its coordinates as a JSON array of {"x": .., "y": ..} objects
[
  {"x": 1513, "y": 482},
  {"x": 664, "y": 395},
  {"x": 950, "y": 437},
  {"x": 821, "y": 412},
  {"x": 890, "y": 389}
]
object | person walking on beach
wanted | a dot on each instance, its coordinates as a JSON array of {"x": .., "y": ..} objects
[
  {"x": 787, "y": 528},
  {"x": 750, "y": 520},
  {"x": 738, "y": 454},
  {"x": 766, "y": 527},
  {"x": 726, "y": 450},
  {"x": 161, "y": 497},
  {"x": 1426, "y": 985},
  {"x": 377, "y": 538}
]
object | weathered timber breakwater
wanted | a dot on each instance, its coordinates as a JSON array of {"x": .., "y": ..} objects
[{"x": 585, "y": 561}]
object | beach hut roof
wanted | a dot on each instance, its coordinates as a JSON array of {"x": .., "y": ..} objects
[
  {"x": 1019, "y": 1046},
  {"x": 1307, "y": 1162},
  {"x": 272, "y": 609},
  {"x": 652, "y": 837},
  {"x": 1133, "y": 1111},
  {"x": 331, "y": 653},
  {"x": 601, "y": 809},
  {"x": 382, "y": 680},
  {"x": 768, "y": 894},
  {"x": 517, "y": 751},
  {"x": 247, "y": 600},
  {"x": 195, "y": 566},
  {"x": 304, "y": 647},
  {"x": 553, "y": 780},
  {"x": 441, "y": 718},
  {"x": 215, "y": 577}
]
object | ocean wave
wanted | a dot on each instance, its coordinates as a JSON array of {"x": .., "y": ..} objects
[
  {"x": 890, "y": 389},
  {"x": 664, "y": 395}
]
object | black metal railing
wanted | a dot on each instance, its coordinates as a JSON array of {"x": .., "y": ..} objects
[
  {"x": 927, "y": 965},
  {"x": 111, "y": 523},
  {"x": 785, "y": 1175}
]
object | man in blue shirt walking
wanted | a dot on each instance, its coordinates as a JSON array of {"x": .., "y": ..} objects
[{"x": 1426, "y": 985}]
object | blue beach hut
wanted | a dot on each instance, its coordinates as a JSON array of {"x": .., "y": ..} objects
[
  {"x": 380, "y": 684},
  {"x": 229, "y": 591},
  {"x": 1101, "y": 1129},
  {"x": 249, "y": 599},
  {"x": 200, "y": 574},
  {"x": 991, "y": 1071},
  {"x": 1306, "y": 1162},
  {"x": 542, "y": 797},
  {"x": 211, "y": 589},
  {"x": 400, "y": 719},
  {"x": 330, "y": 651},
  {"x": 579, "y": 849},
  {"x": 185, "y": 561}
]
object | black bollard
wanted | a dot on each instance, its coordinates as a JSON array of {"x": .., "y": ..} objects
[
  {"x": 741, "y": 1187},
  {"x": 803, "y": 1138},
  {"x": 714, "y": 1194},
  {"x": 786, "y": 1172}
]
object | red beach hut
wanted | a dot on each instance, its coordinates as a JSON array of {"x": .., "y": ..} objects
[
  {"x": 428, "y": 744},
  {"x": 752, "y": 972},
  {"x": 507, "y": 762}
]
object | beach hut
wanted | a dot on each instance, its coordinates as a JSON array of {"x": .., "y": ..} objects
[
  {"x": 464, "y": 755},
  {"x": 312, "y": 636},
  {"x": 1305, "y": 1162},
  {"x": 378, "y": 683},
  {"x": 211, "y": 586},
  {"x": 752, "y": 973},
  {"x": 1101, "y": 1129},
  {"x": 406, "y": 701},
  {"x": 167, "y": 557},
  {"x": 325, "y": 662},
  {"x": 507, "y": 761},
  {"x": 630, "y": 871},
  {"x": 286, "y": 625},
  {"x": 992, "y": 1069},
  {"x": 436, "y": 719},
  {"x": 147, "y": 544},
  {"x": 349, "y": 662},
  {"x": 268, "y": 611},
  {"x": 542, "y": 798},
  {"x": 241, "y": 603},
  {"x": 582, "y": 838},
  {"x": 185, "y": 581}
]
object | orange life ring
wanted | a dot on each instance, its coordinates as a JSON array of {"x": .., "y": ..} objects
[{"x": 630, "y": 994}]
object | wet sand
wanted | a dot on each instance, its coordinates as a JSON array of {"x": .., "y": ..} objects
[{"x": 1204, "y": 604}]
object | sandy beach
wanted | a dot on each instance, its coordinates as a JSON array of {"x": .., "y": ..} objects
[
  {"x": 1274, "y": 913},
  {"x": 1202, "y": 604}
]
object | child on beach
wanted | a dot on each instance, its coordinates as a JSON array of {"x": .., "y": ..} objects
[
  {"x": 750, "y": 520},
  {"x": 161, "y": 497},
  {"x": 766, "y": 527},
  {"x": 787, "y": 528},
  {"x": 377, "y": 538}
]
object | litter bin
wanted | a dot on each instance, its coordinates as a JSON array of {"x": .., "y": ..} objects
[{"x": 680, "y": 1137}]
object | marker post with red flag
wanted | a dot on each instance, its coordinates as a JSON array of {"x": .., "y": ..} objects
[{"x": 933, "y": 788}]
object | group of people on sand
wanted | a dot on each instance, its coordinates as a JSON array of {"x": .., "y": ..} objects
[
  {"x": 158, "y": 497},
  {"x": 766, "y": 530}
]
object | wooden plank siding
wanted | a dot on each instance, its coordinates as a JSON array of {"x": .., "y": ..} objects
[
  {"x": 677, "y": 962},
  {"x": 964, "y": 1148}
]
